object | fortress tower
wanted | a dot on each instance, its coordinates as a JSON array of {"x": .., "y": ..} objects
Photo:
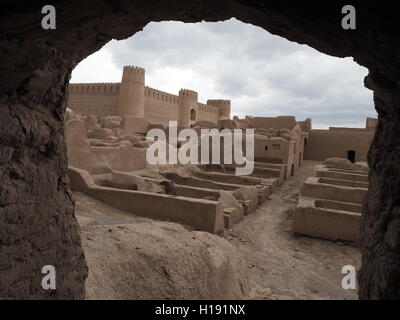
[
  {"x": 141, "y": 106},
  {"x": 188, "y": 101},
  {"x": 131, "y": 95},
  {"x": 224, "y": 107}
]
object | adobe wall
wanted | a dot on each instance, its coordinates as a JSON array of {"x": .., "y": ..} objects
[
  {"x": 160, "y": 106},
  {"x": 330, "y": 203},
  {"x": 274, "y": 150},
  {"x": 287, "y": 122},
  {"x": 124, "y": 158},
  {"x": 104, "y": 99},
  {"x": 314, "y": 188},
  {"x": 323, "y": 144},
  {"x": 305, "y": 125},
  {"x": 345, "y": 129},
  {"x": 207, "y": 113},
  {"x": 280, "y": 150},
  {"x": 296, "y": 159},
  {"x": 84, "y": 156},
  {"x": 222, "y": 106},
  {"x": 205, "y": 215},
  {"x": 335, "y": 224},
  {"x": 343, "y": 174},
  {"x": 322, "y": 172},
  {"x": 100, "y": 99}
]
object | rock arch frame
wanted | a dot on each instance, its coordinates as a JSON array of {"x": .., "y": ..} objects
[{"x": 37, "y": 224}]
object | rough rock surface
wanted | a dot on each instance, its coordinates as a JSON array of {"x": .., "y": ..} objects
[
  {"x": 137, "y": 258},
  {"x": 344, "y": 164},
  {"x": 37, "y": 221},
  {"x": 161, "y": 260},
  {"x": 100, "y": 133}
]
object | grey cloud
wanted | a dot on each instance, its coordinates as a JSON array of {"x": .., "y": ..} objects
[{"x": 262, "y": 74}]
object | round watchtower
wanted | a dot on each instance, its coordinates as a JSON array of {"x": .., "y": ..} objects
[
  {"x": 187, "y": 102},
  {"x": 131, "y": 93},
  {"x": 224, "y": 107}
]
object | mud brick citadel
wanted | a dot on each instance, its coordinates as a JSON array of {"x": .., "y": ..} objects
[
  {"x": 106, "y": 128},
  {"x": 131, "y": 98},
  {"x": 111, "y": 253},
  {"x": 106, "y": 138},
  {"x": 142, "y": 107}
]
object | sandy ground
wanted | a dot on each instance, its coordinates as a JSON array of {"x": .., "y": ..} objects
[
  {"x": 283, "y": 265},
  {"x": 280, "y": 264}
]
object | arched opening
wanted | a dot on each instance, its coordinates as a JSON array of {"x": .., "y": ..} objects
[
  {"x": 207, "y": 70},
  {"x": 33, "y": 95},
  {"x": 192, "y": 115}
]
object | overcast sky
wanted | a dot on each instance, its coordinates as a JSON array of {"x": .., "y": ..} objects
[{"x": 262, "y": 74}]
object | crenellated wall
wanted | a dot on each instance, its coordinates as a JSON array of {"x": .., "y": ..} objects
[
  {"x": 132, "y": 98},
  {"x": 224, "y": 107},
  {"x": 100, "y": 99},
  {"x": 207, "y": 112},
  {"x": 160, "y": 106}
]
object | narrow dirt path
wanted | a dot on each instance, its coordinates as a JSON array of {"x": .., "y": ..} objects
[{"x": 283, "y": 265}]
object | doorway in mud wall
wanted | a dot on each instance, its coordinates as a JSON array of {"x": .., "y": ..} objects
[
  {"x": 351, "y": 156},
  {"x": 193, "y": 115}
]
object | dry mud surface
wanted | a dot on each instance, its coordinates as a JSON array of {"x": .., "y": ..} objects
[
  {"x": 260, "y": 258},
  {"x": 283, "y": 265},
  {"x": 136, "y": 258}
]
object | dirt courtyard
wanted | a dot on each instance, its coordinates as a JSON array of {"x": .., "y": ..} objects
[
  {"x": 283, "y": 265},
  {"x": 280, "y": 265}
]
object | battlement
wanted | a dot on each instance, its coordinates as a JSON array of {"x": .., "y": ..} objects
[
  {"x": 132, "y": 97},
  {"x": 207, "y": 108},
  {"x": 219, "y": 103},
  {"x": 187, "y": 94},
  {"x": 133, "y": 74},
  {"x": 223, "y": 105},
  {"x": 156, "y": 94},
  {"x": 96, "y": 88}
]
